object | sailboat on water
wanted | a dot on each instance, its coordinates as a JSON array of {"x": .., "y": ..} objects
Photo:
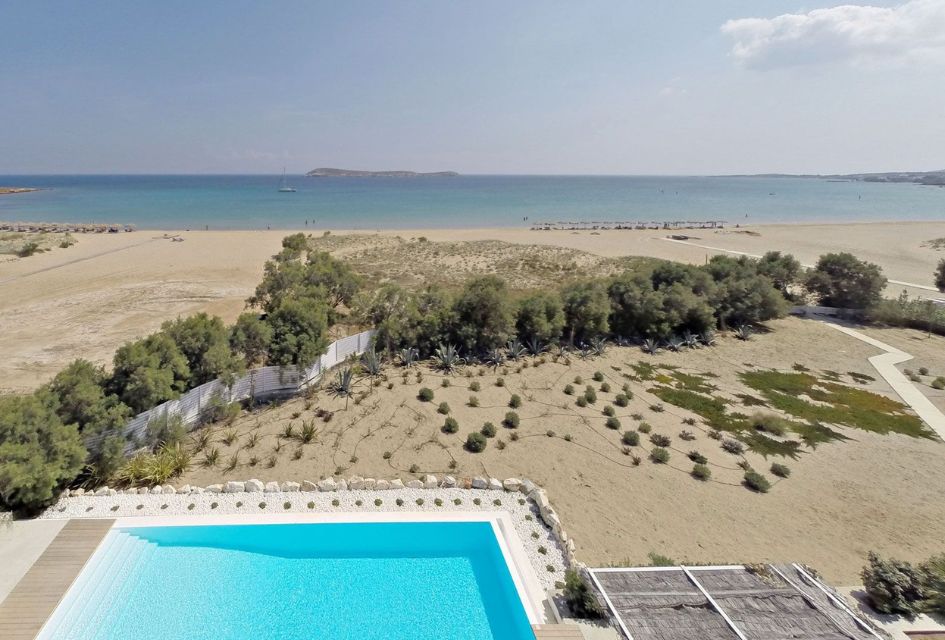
[{"x": 285, "y": 188}]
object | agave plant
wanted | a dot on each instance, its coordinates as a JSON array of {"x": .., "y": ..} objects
[
  {"x": 598, "y": 346},
  {"x": 650, "y": 346},
  {"x": 535, "y": 346},
  {"x": 408, "y": 357},
  {"x": 691, "y": 340},
  {"x": 584, "y": 352},
  {"x": 308, "y": 433},
  {"x": 446, "y": 358},
  {"x": 372, "y": 365},
  {"x": 515, "y": 349},
  {"x": 494, "y": 358},
  {"x": 343, "y": 385},
  {"x": 708, "y": 338},
  {"x": 674, "y": 343},
  {"x": 743, "y": 332},
  {"x": 623, "y": 342}
]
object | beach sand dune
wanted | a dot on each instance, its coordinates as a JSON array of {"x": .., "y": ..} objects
[{"x": 86, "y": 300}]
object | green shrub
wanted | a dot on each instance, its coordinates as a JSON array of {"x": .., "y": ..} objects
[
  {"x": 581, "y": 601},
  {"x": 472, "y": 402},
  {"x": 939, "y": 383},
  {"x": 780, "y": 470},
  {"x": 733, "y": 446},
  {"x": 598, "y": 376},
  {"x": 444, "y": 408},
  {"x": 923, "y": 371},
  {"x": 450, "y": 425},
  {"x": 608, "y": 410},
  {"x": 445, "y": 382},
  {"x": 488, "y": 430},
  {"x": 697, "y": 457},
  {"x": 893, "y": 586},
  {"x": 511, "y": 420},
  {"x": 474, "y": 386},
  {"x": 569, "y": 389},
  {"x": 613, "y": 423},
  {"x": 515, "y": 401},
  {"x": 621, "y": 400},
  {"x": 378, "y": 502},
  {"x": 605, "y": 387},
  {"x": 657, "y": 408},
  {"x": 581, "y": 401},
  {"x": 578, "y": 380},
  {"x": 660, "y": 440},
  {"x": 701, "y": 472},
  {"x": 630, "y": 438},
  {"x": 756, "y": 482},
  {"x": 500, "y": 382},
  {"x": 425, "y": 394},
  {"x": 590, "y": 395},
  {"x": 659, "y": 455},
  {"x": 644, "y": 427},
  {"x": 769, "y": 423},
  {"x": 475, "y": 442}
]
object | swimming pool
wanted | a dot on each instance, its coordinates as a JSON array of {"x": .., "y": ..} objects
[{"x": 337, "y": 580}]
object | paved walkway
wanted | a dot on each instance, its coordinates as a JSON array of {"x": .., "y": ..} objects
[{"x": 885, "y": 364}]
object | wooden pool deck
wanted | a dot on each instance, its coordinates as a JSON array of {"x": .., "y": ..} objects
[
  {"x": 24, "y": 612},
  {"x": 557, "y": 632}
]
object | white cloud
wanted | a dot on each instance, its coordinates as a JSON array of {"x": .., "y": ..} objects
[{"x": 912, "y": 32}]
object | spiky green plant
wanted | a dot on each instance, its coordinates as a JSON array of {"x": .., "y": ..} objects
[{"x": 446, "y": 358}]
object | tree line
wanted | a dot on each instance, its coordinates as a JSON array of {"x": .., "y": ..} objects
[{"x": 304, "y": 293}]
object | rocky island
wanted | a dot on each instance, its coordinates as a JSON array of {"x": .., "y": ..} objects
[
  {"x": 11, "y": 190},
  {"x": 326, "y": 172}
]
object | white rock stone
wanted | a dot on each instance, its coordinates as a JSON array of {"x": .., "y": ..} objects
[
  {"x": 112, "y": 492},
  {"x": 144, "y": 490},
  {"x": 414, "y": 484},
  {"x": 272, "y": 487},
  {"x": 479, "y": 483},
  {"x": 254, "y": 486},
  {"x": 369, "y": 484},
  {"x": 79, "y": 492},
  {"x": 309, "y": 486},
  {"x": 397, "y": 483},
  {"x": 215, "y": 488},
  {"x": 342, "y": 485},
  {"x": 527, "y": 486},
  {"x": 495, "y": 484},
  {"x": 234, "y": 487},
  {"x": 429, "y": 482},
  {"x": 186, "y": 489},
  {"x": 328, "y": 484},
  {"x": 382, "y": 485},
  {"x": 356, "y": 482},
  {"x": 291, "y": 486},
  {"x": 448, "y": 482},
  {"x": 168, "y": 489},
  {"x": 197, "y": 490},
  {"x": 511, "y": 484},
  {"x": 156, "y": 490},
  {"x": 101, "y": 491}
]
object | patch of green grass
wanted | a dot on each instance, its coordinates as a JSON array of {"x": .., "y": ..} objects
[
  {"x": 692, "y": 382},
  {"x": 710, "y": 408},
  {"x": 765, "y": 446},
  {"x": 750, "y": 401},
  {"x": 862, "y": 378},
  {"x": 841, "y": 405}
]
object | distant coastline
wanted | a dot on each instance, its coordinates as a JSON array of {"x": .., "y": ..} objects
[
  {"x": 6, "y": 191},
  {"x": 928, "y": 178},
  {"x": 328, "y": 172}
]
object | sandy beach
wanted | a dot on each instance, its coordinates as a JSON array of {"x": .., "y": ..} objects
[{"x": 86, "y": 300}]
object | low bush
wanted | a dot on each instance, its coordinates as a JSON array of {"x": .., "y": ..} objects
[
  {"x": 578, "y": 596},
  {"x": 644, "y": 427},
  {"x": 444, "y": 408},
  {"x": 697, "y": 457},
  {"x": 621, "y": 400},
  {"x": 893, "y": 586},
  {"x": 569, "y": 389},
  {"x": 613, "y": 423},
  {"x": 660, "y": 440},
  {"x": 515, "y": 401},
  {"x": 474, "y": 386},
  {"x": 581, "y": 401},
  {"x": 425, "y": 394},
  {"x": 659, "y": 455},
  {"x": 488, "y": 430},
  {"x": 450, "y": 425},
  {"x": 590, "y": 395},
  {"x": 939, "y": 383},
  {"x": 598, "y": 376},
  {"x": 756, "y": 482},
  {"x": 734, "y": 447},
  {"x": 472, "y": 402},
  {"x": 511, "y": 420},
  {"x": 475, "y": 442},
  {"x": 630, "y": 438},
  {"x": 780, "y": 470},
  {"x": 608, "y": 410},
  {"x": 605, "y": 387},
  {"x": 701, "y": 472}
]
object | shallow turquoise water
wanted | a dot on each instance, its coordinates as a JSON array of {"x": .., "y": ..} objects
[
  {"x": 375, "y": 581},
  {"x": 253, "y": 202}
]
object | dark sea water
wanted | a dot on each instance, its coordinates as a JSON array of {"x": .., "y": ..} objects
[{"x": 254, "y": 202}]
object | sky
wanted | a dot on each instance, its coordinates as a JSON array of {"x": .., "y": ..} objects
[{"x": 524, "y": 87}]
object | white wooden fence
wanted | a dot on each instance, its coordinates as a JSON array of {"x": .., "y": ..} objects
[{"x": 260, "y": 384}]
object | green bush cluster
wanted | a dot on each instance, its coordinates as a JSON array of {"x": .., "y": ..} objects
[
  {"x": 476, "y": 442},
  {"x": 897, "y": 587}
]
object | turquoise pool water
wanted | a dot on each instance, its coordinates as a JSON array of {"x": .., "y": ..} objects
[{"x": 364, "y": 581}]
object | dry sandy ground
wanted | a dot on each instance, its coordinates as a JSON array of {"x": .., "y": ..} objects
[
  {"x": 881, "y": 492},
  {"x": 86, "y": 300}
]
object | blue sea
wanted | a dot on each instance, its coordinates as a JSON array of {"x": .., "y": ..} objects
[{"x": 254, "y": 202}]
